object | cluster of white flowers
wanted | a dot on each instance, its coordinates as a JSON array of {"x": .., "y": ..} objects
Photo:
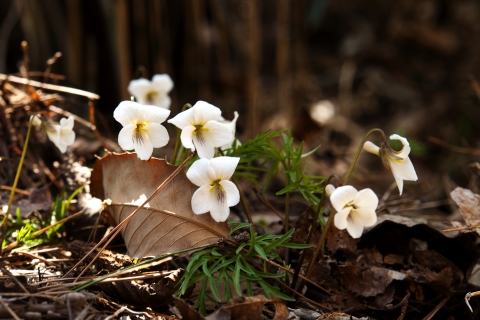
[
  {"x": 203, "y": 130},
  {"x": 356, "y": 209},
  {"x": 61, "y": 134}
]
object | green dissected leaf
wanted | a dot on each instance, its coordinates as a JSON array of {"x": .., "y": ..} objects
[
  {"x": 214, "y": 289},
  {"x": 271, "y": 290},
  {"x": 280, "y": 240},
  {"x": 289, "y": 188},
  {"x": 205, "y": 268},
  {"x": 296, "y": 245},
  {"x": 260, "y": 251},
  {"x": 228, "y": 290},
  {"x": 236, "y": 278},
  {"x": 240, "y": 225}
]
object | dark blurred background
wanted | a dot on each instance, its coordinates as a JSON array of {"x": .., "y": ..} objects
[{"x": 331, "y": 69}]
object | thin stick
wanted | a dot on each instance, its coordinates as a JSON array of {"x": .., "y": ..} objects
[
  {"x": 12, "y": 313},
  {"x": 94, "y": 126},
  {"x": 119, "y": 227},
  {"x": 48, "y": 86},
  {"x": 453, "y": 148},
  {"x": 310, "y": 234},
  {"x": 268, "y": 204}
]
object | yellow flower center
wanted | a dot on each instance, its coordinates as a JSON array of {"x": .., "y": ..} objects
[
  {"x": 137, "y": 133},
  {"x": 151, "y": 95},
  {"x": 219, "y": 191}
]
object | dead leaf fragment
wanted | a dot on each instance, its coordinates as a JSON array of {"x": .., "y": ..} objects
[
  {"x": 247, "y": 308},
  {"x": 469, "y": 205},
  {"x": 168, "y": 224}
]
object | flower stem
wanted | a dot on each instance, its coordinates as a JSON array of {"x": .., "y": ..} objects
[
  {"x": 244, "y": 203},
  {"x": 332, "y": 214},
  {"x": 310, "y": 233},
  {"x": 179, "y": 132},
  {"x": 15, "y": 183},
  {"x": 359, "y": 150}
]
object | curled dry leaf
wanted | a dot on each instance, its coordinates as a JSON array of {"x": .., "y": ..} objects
[{"x": 168, "y": 224}]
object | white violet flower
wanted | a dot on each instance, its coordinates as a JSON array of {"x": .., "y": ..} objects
[
  {"x": 153, "y": 92},
  {"x": 232, "y": 126},
  {"x": 141, "y": 130},
  {"x": 201, "y": 129},
  {"x": 355, "y": 209},
  {"x": 397, "y": 162},
  {"x": 216, "y": 193},
  {"x": 61, "y": 134}
]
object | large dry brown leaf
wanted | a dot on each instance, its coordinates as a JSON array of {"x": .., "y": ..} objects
[{"x": 168, "y": 224}]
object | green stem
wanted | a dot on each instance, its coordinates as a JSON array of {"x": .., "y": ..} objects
[
  {"x": 310, "y": 233},
  {"x": 359, "y": 150},
  {"x": 332, "y": 214},
  {"x": 179, "y": 132},
  {"x": 15, "y": 183}
]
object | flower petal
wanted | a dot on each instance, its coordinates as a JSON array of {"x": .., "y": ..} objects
[
  {"x": 36, "y": 121},
  {"x": 183, "y": 119},
  {"x": 366, "y": 198},
  {"x": 201, "y": 199},
  {"x": 219, "y": 209},
  {"x": 139, "y": 88},
  {"x": 162, "y": 82},
  {"x": 157, "y": 134},
  {"x": 125, "y": 137},
  {"x": 342, "y": 196},
  {"x": 162, "y": 100},
  {"x": 53, "y": 132},
  {"x": 143, "y": 146},
  {"x": 231, "y": 192},
  {"x": 224, "y": 167},
  {"x": 329, "y": 189},
  {"x": 67, "y": 123},
  {"x": 67, "y": 137},
  {"x": 406, "y": 146},
  {"x": 232, "y": 126},
  {"x": 198, "y": 173},
  {"x": 367, "y": 216},
  {"x": 187, "y": 137},
  {"x": 341, "y": 218},
  {"x": 153, "y": 114},
  {"x": 371, "y": 147},
  {"x": 402, "y": 170},
  {"x": 216, "y": 133},
  {"x": 204, "y": 112},
  {"x": 204, "y": 147},
  {"x": 126, "y": 113},
  {"x": 354, "y": 225}
]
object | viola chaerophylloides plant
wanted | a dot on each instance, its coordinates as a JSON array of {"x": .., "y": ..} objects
[
  {"x": 142, "y": 130},
  {"x": 216, "y": 193},
  {"x": 203, "y": 130},
  {"x": 61, "y": 134},
  {"x": 153, "y": 92}
]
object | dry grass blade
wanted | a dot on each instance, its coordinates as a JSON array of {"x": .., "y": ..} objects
[{"x": 48, "y": 86}]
